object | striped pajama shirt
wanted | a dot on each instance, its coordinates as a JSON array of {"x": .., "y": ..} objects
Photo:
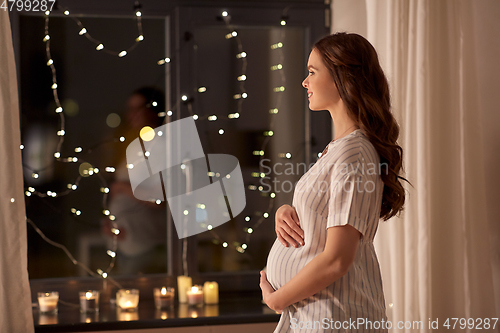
[{"x": 342, "y": 187}]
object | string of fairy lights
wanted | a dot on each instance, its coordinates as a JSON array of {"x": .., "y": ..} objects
[{"x": 87, "y": 170}]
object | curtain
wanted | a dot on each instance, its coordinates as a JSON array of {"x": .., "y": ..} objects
[
  {"x": 436, "y": 259},
  {"x": 15, "y": 294}
]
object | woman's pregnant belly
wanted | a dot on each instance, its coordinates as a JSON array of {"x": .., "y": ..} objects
[{"x": 283, "y": 263}]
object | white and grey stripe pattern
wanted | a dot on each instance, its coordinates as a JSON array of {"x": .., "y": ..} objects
[{"x": 343, "y": 187}]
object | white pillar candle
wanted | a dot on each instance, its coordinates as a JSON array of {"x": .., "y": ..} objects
[
  {"x": 47, "y": 301},
  {"x": 195, "y": 295},
  {"x": 184, "y": 283},
  {"x": 211, "y": 292}
]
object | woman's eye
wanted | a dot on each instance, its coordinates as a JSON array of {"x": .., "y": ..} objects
[{"x": 311, "y": 73}]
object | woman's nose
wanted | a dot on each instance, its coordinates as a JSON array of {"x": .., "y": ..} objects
[{"x": 304, "y": 83}]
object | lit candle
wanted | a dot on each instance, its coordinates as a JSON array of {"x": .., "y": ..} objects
[
  {"x": 48, "y": 301},
  {"x": 127, "y": 299},
  {"x": 184, "y": 283},
  {"x": 195, "y": 295},
  {"x": 211, "y": 292},
  {"x": 164, "y": 297},
  {"x": 89, "y": 301}
]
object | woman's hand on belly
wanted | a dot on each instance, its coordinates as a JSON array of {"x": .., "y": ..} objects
[
  {"x": 287, "y": 227},
  {"x": 268, "y": 292}
]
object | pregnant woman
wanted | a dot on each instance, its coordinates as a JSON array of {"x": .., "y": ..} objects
[{"x": 322, "y": 272}]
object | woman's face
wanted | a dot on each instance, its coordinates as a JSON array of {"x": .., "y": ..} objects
[{"x": 321, "y": 89}]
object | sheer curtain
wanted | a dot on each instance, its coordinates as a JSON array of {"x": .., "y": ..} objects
[
  {"x": 15, "y": 295},
  {"x": 436, "y": 259}
]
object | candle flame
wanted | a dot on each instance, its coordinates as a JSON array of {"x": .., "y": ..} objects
[
  {"x": 194, "y": 289},
  {"x": 163, "y": 291},
  {"x": 88, "y": 294}
]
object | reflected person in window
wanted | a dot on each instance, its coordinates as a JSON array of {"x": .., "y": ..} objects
[
  {"x": 142, "y": 224},
  {"x": 322, "y": 271}
]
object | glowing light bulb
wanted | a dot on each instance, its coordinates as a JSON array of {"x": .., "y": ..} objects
[
  {"x": 272, "y": 195},
  {"x": 46, "y": 38},
  {"x": 54, "y": 86},
  {"x": 122, "y": 54},
  {"x": 57, "y": 154},
  {"x": 249, "y": 230},
  {"x": 59, "y": 110},
  {"x": 111, "y": 253},
  {"x": 82, "y": 32},
  {"x": 224, "y": 13},
  {"x": 224, "y": 244},
  {"x": 147, "y": 133},
  {"x": 99, "y": 47},
  {"x": 233, "y": 115},
  {"x": 266, "y": 215},
  {"x": 184, "y": 98},
  {"x": 140, "y": 38},
  {"x": 138, "y": 13},
  {"x": 66, "y": 12},
  {"x": 21, "y": 146},
  {"x": 244, "y": 95},
  {"x": 186, "y": 212},
  {"x": 241, "y": 55},
  {"x": 195, "y": 117},
  {"x": 273, "y": 111},
  {"x": 244, "y": 246},
  {"x": 242, "y": 78},
  {"x": 78, "y": 149},
  {"x": 122, "y": 138},
  {"x": 163, "y": 61},
  {"x": 283, "y": 22},
  {"x": 209, "y": 227},
  {"x": 169, "y": 113},
  {"x": 61, "y": 132},
  {"x": 202, "y": 89},
  {"x": 221, "y": 131},
  {"x": 212, "y": 118},
  {"x": 50, "y": 62},
  {"x": 109, "y": 169}
]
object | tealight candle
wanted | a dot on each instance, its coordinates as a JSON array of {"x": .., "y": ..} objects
[
  {"x": 184, "y": 283},
  {"x": 47, "y": 301},
  {"x": 127, "y": 299},
  {"x": 211, "y": 292},
  {"x": 164, "y": 297},
  {"x": 195, "y": 295},
  {"x": 89, "y": 301}
]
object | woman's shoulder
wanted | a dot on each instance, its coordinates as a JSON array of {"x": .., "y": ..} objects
[{"x": 354, "y": 148}]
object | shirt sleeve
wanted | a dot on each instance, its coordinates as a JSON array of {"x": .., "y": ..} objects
[{"x": 350, "y": 196}]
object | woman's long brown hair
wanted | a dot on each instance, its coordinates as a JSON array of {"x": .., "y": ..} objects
[{"x": 362, "y": 85}]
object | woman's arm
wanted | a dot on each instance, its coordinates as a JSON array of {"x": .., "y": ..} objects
[{"x": 334, "y": 262}]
